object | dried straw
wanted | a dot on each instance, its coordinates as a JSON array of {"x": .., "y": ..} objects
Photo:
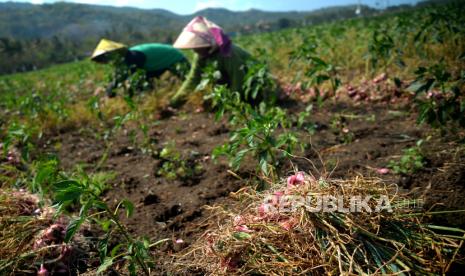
[{"x": 244, "y": 240}]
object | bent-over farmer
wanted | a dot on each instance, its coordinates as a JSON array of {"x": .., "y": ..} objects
[
  {"x": 153, "y": 58},
  {"x": 211, "y": 44}
]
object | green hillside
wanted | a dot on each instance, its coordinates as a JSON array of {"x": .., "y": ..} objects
[
  {"x": 34, "y": 36},
  {"x": 26, "y": 21}
]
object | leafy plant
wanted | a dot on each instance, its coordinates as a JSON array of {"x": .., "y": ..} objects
[
  {"x": 18, "y": 135},
  {"x": 210, "y": 75},
  {"x": 256, "y": 132},
  {"x": 317, "y": 71},
  {"x": 93, "y": 104},
  {"x": 119, "y": 121},
  {"x": 380, "y": 49},
  {"x": 43, "y": 173},
  {"x": 410, "y": 162},
  {"x": 258, "y": 83},
  {"x": 339, "y": 127},
  {"x": 439, "y": 96},
  {"x": 174, "y": 166},
  {"x": 302, "y": 120},
  {"x": 86, "y": 191},
  {"x": 137, "y": 81},
  {"x": 130, "y": 78}
]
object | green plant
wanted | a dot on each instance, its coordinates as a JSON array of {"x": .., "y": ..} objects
[
  {"x": 410, "y": 162},
  {"x": 439, "y": 96},
  {"x": 302, "y": 120},
  {"x": 175, "y": 167},
  {"x": 210, "y": 75},
  {"x": 119, "y": 121},
  {"x": 70, "y": 192},
  {"x": 85, "y": 191},
  {"x": 43, "y": 174},
  {"x": 147, "y": 143},
  {"x": 317, "y": 71},
  {"x": 130, "y": 78},
  {"x": 380, "y": 48},
  {"x": 19, "y": 135},
  {"x": 137, "y": 81},
  {"x": 256, "y": 132},
  {"x": 258, "y": 83},
  {"x": 93, "y": 104},
  {"x": 339, "y": 127}
]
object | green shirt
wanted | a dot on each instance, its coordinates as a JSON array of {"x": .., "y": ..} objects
[
  {"x": 232, "y": 70},
  {"x": 158, "y": 56}
]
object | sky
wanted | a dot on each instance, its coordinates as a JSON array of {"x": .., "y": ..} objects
[{"x": 190, "y": 6}]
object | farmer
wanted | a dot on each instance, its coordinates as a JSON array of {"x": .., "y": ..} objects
[
  {"x": 210, "y": 44},
  {"x": 153, "y": 58}
]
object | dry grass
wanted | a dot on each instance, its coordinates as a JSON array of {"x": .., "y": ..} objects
[
  {"x": 31, "y": 236},
  {"x": 247, "y": 240},
  {"x": 21, "y": 220}
]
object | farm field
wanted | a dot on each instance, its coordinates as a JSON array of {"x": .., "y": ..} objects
[{"x": 131, "y": 186}]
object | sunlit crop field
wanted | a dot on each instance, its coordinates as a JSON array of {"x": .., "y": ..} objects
[{"x": 366, "y": 107}]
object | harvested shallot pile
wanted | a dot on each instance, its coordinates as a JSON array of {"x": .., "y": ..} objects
[
  {"x": 310, "y": 226},
  {"x": 32, "y": 238}
]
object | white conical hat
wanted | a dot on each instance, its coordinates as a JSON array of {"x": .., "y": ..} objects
[{"x": 196, "y": 34}]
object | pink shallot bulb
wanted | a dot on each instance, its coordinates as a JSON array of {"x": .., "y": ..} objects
[{"x": 43, "y": 271}]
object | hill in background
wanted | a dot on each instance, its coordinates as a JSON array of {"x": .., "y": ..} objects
[
  {"x": 35, "y": 36},
  {"x": 28, "y": 21}
]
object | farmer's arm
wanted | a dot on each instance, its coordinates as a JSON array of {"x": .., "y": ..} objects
[{"x": 191, "y": 82}]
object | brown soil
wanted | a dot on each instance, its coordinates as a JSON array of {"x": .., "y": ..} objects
[{"x": 173, "y": 208}]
